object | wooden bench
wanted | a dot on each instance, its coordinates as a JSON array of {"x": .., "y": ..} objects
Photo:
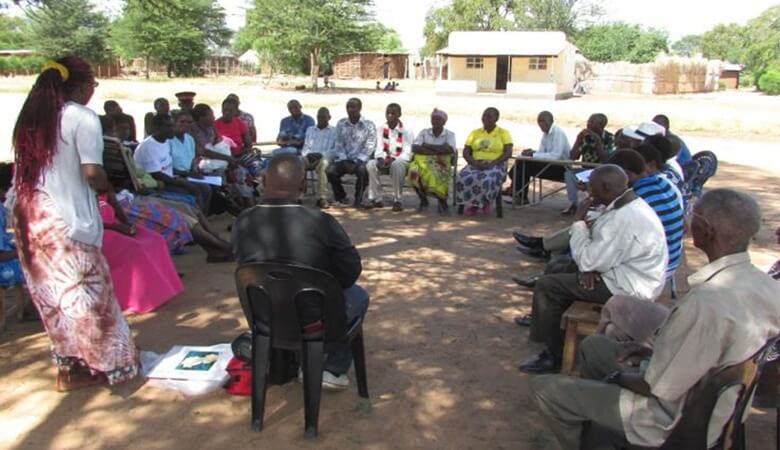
[
  {"x": 581, "y": 319},
  {"x": 12, "y": 306}
]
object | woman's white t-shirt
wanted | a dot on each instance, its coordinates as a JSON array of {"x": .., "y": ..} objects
[{"x": 80, "y": 142}]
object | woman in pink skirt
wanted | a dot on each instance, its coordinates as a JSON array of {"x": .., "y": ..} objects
[{"x": 141, "y": 267}]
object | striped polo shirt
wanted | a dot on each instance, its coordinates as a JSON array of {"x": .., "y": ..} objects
[{"x": 660, "y": 194}]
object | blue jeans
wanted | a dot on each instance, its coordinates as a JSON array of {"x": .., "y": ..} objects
[{"x": 338, "y": 360}]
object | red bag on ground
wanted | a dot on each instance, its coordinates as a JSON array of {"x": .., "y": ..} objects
[{"x": 240, "y": 382}]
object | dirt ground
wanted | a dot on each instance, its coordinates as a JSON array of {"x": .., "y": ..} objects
[{"x": 441, "y": 348}]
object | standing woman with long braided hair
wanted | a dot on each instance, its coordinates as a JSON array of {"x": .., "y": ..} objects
[{"x": 59, "y": 155}]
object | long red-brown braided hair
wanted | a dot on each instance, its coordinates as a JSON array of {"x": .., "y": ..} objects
[{"x": 38, "y": 125}]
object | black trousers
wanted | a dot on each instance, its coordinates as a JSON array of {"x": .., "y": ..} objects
[
  {"x": 338, "y": 169},
  {"x": 553, "y": 294},
  {"x": 534, "y": 169}
]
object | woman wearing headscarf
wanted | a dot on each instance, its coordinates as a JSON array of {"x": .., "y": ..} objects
[
  {"x": 59, "y": 153},
  {"x": 430, "y": 172}
]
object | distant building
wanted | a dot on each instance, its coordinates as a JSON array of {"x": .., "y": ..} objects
[
  {"x": 372, "y": 66},
  {"x": 729, "y": 75},
  {"x": 525, "y": 63}
]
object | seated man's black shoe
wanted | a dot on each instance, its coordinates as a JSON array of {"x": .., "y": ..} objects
[
  {"x": 528, "y": 241},
  {"x": 527, "y": 282},
  {"x": 524, "y": 320},
  {"x": 534, "y": 252},
  {"x": 544, "y": 362}
]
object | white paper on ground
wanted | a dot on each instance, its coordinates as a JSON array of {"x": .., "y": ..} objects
[{"x": 164, "y": 365}]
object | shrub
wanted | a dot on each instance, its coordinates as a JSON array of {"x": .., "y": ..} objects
[
  {"x": 747, "y": 79},
  {"x": 722, "y": 86},
  {"x": 769, "y": 83}
]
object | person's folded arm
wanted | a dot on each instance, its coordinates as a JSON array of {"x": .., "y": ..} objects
[{"x": 599, "y": 253}]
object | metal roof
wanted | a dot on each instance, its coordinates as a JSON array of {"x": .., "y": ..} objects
[{"x": 511, "y": 43}]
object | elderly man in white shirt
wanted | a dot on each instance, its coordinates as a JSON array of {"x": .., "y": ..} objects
[
  {"x": 317, "y": 152},
  {"x": 730, "y": 313},
  {"x": 620, "y": 252},
  {"x": 392, "y": 156},
  {"x": 553, "y": 146}
]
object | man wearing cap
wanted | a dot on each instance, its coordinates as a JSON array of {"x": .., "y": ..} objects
[
  {"x": 633, "y": 136},
  {"x": 186, "y": 101},
  {"x": 553, "y": 146}
]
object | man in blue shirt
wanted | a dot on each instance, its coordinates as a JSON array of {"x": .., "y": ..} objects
[
  {"x": 684, "y": 155},
  {"x": 642, "y": 167},
  {"x": 292, "y": 130}
]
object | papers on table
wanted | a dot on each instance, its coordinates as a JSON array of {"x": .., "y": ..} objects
[
  {"x": 584, "y": 176},
  {"x": 207, "y": 179}
]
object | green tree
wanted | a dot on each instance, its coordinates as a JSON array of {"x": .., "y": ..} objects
[
  {"x": 178, "y": 33},
  {"x": 689, "y": 45},
  {"x": 14, "y": 33},
  {"x": 621, "y": 42},
  {"x": 506, "y": 15},
  {"x": 466, "y": 15},
  {"x": 725, "y": 42},
  {"x": 319, "y": 30},
  {"x": 556, "y": 15},
  {"x": 65, "y": 27},
  {"x": 761, "y": 50},
  {"x": 381, "y": 39}
]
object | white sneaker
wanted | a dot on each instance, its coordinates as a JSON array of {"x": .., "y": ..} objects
[{"x": 330, "y": 381}]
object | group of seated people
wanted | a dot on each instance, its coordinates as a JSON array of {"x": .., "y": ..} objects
[{"x": 623, "y": 248}]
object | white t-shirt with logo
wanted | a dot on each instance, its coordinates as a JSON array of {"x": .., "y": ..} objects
[
  {"x": 81, "y": 142},
  {"x": 154, "y": 156}
]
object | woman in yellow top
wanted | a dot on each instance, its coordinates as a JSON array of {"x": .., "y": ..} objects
[{"x": 486, "y": 152}]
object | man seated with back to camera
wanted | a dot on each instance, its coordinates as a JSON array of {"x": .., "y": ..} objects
[{"x": 279, "y": 229}]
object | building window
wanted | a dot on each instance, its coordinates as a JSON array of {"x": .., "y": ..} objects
[
  {"x": 475, "y": 62},
  {"x": 537, "y": 63}
]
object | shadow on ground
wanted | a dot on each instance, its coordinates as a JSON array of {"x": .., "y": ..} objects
[{"x": 440, "y": 341}]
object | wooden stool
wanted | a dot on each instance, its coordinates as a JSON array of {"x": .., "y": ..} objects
[{"x": 581, "y": 319}]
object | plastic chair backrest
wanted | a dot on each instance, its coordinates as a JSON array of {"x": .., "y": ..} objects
[
  {"x": 690, "y": 432},
  {"x": 706, "y": 168},
  {"x": 279, "y": 299}
]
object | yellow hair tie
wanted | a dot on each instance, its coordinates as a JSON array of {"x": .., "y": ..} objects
[{"x": 64, "y": 73}]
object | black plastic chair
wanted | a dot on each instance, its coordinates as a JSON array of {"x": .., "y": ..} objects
[
  {"x": 690, "y": 432},
  {"x": 296, "y": 308}
]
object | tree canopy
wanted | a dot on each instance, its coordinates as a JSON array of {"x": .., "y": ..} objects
[
  {"x": 178, "y": 34},
  {"x": 334, "y": 27},
  {"x": 14, "y": 33},
  {"x": 64, "y": 27},
  {"x": 621, "y": 42},
  {"x": 506, "y": 15}
]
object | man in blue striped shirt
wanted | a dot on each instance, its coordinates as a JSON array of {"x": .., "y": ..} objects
[{"x": 642, "y": 166}]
